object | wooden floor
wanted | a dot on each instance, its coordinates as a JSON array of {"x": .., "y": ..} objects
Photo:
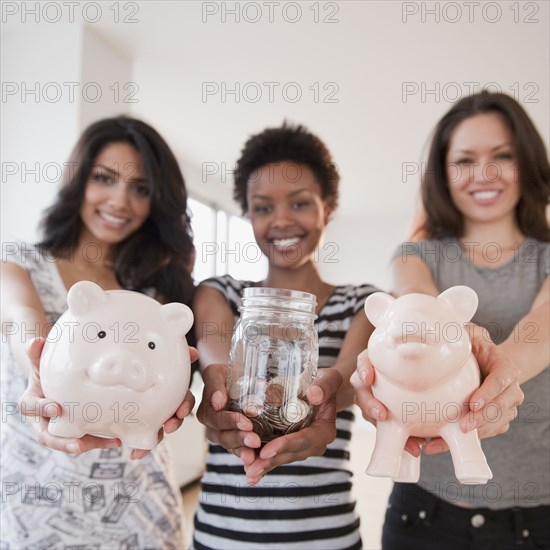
[{"x": 371, "y": 493}]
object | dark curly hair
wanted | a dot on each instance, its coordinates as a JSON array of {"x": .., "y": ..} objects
[
  {"x": 440, "y": 217},
  {"x": 160, "y": 253},
  {"x": 292, "y": 143}
]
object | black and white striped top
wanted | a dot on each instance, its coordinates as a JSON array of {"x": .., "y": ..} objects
[{"x": 307, "y": 504}]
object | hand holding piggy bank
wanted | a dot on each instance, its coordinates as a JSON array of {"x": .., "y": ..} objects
[
  {"x": 425, "y": 375},
  {"x": 118, "y": 363}
]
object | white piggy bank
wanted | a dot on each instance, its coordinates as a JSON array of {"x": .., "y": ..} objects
[
  {"x": 425, "y": 375},
  {"x": 118, "y": 363}
]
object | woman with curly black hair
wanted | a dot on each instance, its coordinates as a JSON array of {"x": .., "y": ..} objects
[{"x": 295, "y": 491}]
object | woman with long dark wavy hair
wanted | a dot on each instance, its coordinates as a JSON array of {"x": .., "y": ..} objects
[
  {"x": 120, "y": 219},
  {"x": 160, "y": 253}
]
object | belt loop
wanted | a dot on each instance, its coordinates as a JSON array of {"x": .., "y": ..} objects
[{"x": 520, "y": 533}]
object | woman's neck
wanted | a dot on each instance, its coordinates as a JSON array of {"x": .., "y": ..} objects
[
  {"x": 91, "y": 261},
  {"x": 305, "y": 278},
  {"x": 492, "y": 244},
  {"x": 93, "y": 253},
  {"x": 503, "y": 233}
]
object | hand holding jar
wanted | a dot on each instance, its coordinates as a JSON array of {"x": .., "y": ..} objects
[{"x": 273, "y": 361}]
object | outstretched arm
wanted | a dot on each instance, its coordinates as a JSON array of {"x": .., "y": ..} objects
[
  {"x": 23, "y": 317},
  {"x": 528, "y": 346},
  {"x": 214, "y": 325}
]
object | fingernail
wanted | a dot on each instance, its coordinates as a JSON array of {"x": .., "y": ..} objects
[
  {"x": 244, "y": 425},
  {"x": 115, "y": 443},
  {"x": 169, "y": 427},
  {"x": 472, "y": 425},
  {"x": 315, "y": 393},
  {"x": 217, "y": 398},
  {"x": 73, "y": 448},
  {"x": 478, "y": 405},
  {"x": 362, "y": 373},
  {"x": 374, "y": 412},
  {"x": 258, "y": 477},
  {"x": 248, "y": 441}
]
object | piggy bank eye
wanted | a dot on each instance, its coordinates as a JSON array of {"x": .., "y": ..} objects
[
  {"x": 151, "y": 345},
  {"x": 101, "y": 334}
]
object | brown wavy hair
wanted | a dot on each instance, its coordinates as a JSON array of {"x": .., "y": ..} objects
[
  {"x": 440, "y": 217},
  {"x": 160, "y": 253}
]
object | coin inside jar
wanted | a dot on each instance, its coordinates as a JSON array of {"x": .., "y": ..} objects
[
  {"x": 274, "y": 395},
  {"x": 294, "y": 411},
  {"x": 252, "y": 406},
  {"x": 263, "y": 428}
]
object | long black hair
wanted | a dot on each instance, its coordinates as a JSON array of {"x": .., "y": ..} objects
[{"x": 160, "y": 253}]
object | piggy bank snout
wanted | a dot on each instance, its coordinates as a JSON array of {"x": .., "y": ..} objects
[
  {"x": 413, "y": 329},
  {"x": 121, "y": 369}
]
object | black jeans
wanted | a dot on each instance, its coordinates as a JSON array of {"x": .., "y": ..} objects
[{"x": 418, "y": 520}]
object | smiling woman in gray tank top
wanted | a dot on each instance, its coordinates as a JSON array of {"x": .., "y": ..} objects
[{"x": 484, "y": 226}]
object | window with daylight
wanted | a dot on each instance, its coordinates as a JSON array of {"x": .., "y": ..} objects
[{"x": 224, "y": 244}]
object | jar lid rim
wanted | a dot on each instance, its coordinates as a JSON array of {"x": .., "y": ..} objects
[{"x": 263, "y": 291}]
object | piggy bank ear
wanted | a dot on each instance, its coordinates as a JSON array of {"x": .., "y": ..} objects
[
  {"x": 462, "y": 299},
  {"x": 85, "y": 296},
  {"x": 179, "y": 315},
  {"x": 376, "y": 306}
]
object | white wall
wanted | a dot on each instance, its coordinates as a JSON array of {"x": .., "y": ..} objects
[
  {"x": 374, "y": 52},
  {"x": 357, "y": 249},
  {"x": 39, "y": 130},
  {"x": 397, "y": 73},
  {"x": 108, "y": 73}
]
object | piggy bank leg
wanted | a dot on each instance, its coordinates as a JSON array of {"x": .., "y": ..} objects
[
  {"x": 388, "y": 450},
  {"x": 468, "y": 458},
  {"x": 63, "y": 426},
  {"x": 410, "y": 469}
]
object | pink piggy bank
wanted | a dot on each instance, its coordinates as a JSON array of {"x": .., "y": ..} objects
[
  {"x": 118, "y": 363},
  {"x": 425, "y": 375}
]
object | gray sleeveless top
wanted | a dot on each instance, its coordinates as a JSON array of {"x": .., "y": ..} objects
[{"x": 520, "y": 458}]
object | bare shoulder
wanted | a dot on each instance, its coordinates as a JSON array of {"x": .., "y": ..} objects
[
  {"x": 205, "y": 295},
  {"x": 210, "y": 303}
]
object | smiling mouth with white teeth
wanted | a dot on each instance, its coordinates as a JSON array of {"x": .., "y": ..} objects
[
  {"x": 282, "y": 243},
  {"x": 485, "y": 195},
  {"x": 113, "y": 220}
]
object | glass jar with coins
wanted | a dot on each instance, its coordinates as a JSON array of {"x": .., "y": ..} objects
[{"x": 273, "y": 360}]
